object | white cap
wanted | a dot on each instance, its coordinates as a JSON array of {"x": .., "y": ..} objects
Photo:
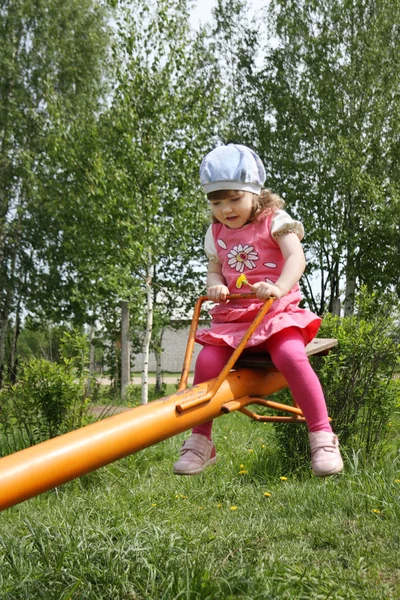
[{"x": 232, "y": 167}]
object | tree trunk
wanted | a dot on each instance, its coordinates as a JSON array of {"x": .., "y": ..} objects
[
  {"x": 3, "y": 339},
  {"x": 91, "y": 351},
  {"x": 89, "y": 381},
  {"x": 336, "y": 306},
  {"x": 4, "y": 329},
  {"x": 350, "y": 296},
  {"x": 13, "y": 362},
  {"x": 350, "y": 288},
  {"x": 125, "y": 350},
  {"x": 158, "y": 355},
  {"x": 10, "y": 285},
  {"x": 334, "y": 301},
  {"x": 117, "y": 364},
  {"x": 147, "y": 339}
]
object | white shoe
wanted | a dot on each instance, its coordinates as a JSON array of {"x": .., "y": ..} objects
[
  {"x": 197, "y": 453},
  {"x": 325, "y": 453}
]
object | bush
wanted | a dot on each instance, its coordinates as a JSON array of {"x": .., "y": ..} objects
[
  {"x": 134, "y": 394},
  {"x": 358, "y": 378},
  {"x": 48, "y": 399}
]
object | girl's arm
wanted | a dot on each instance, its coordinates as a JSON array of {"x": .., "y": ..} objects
[
  {"x": 293, "y": 269},
  {"x": 216, "y": 284}
]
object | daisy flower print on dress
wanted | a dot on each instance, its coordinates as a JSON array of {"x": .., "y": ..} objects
[{"x": 241, "y": 257}]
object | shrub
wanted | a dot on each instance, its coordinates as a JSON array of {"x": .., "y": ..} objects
[
  {"x": 357, "y": 376},
  {"x": 47, "y": 400},
  {"x": 134, "y": 394}
]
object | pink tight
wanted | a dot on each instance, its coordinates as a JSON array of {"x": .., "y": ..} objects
[{"x": 286, "y": 349}]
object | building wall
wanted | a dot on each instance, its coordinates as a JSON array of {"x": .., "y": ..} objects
[{"x": 174, "y": 344}]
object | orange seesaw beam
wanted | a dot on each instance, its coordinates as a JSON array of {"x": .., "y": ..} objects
[{"x": 47, "y": 465}]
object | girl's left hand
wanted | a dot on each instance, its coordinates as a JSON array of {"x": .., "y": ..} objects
[{"x": 264, "y": 290}]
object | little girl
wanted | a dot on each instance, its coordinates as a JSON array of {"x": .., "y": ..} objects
[{"x": 253, "y": 245}]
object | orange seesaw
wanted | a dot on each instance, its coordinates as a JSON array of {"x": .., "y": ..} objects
[{"x": 47, "y": 465}]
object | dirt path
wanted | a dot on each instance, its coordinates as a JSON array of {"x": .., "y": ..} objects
[
  {"x": 152, "y": 380},
  {"x": 103, "y": 411},
  {"x": 98, "y": 410}
]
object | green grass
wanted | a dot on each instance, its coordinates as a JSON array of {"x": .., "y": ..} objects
[
  {"x": 105, "y": 396},
  {"x": 133, "y": 531}
]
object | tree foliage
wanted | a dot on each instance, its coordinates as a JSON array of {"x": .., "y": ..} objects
[
  {"x": 50, "y": 75},
  {"x": 106, "y": 110},
  {"x": 324, "y": 116},
  {"x": 164, "y": 107},
  {"x": 101, "y": 170}
]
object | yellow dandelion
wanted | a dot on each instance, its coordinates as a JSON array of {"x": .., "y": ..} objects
[
  {"x": 267, "y": 494},
  {"x": 241, "y": 280},
  {"x": 242, "y": 466},
  {"x": 183, "y": 497},
  {"x": 234, "y": 507},
  {"x": 250, "y": 450},
  {"x": 262, "y": 445},
  {"x": 242, "y": 472},
  {"x": 376, "y": 511},
  {"x": 397, "y": 480},
  {"x": 283, "y": 478},
  {"x": 154, "y": 504},
  {"x": 176, "y": 495},
  {"x": 219, "y": 505}
]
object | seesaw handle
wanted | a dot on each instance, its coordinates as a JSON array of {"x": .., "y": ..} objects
[{"x": 189, "y": 349}]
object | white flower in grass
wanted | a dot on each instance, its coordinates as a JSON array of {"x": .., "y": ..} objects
[{"x": 241, "y": 257}]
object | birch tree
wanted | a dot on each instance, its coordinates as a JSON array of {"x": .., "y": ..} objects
[
  {"x": 125, "y": 349},
  {"x": 161, "y": 122}
]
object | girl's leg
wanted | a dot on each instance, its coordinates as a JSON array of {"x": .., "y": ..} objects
[
  {"x": 288, "y": 354},
  {"x": 287, "y": 351},
  {"x": 209, "y": 364},
  {"x": 198, "y": 450}
]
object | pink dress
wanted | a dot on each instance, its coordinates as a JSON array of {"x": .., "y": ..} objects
[{"x": 252, "y": 251}]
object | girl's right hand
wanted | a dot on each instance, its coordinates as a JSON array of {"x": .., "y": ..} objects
[{"x": 217, "y": 293}]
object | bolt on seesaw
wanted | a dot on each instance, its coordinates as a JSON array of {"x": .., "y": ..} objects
[{"x": 40, "y": 468}]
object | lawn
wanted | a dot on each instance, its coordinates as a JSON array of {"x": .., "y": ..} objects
[
  {"x": 244, "y": 529},
  {"x": 107, "y": 397}
]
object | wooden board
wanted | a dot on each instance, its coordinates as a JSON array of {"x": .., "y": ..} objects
[{"x": 318, "y": 347}]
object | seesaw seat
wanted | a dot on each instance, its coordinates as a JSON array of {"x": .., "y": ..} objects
[{"x": 317, "y": 347}]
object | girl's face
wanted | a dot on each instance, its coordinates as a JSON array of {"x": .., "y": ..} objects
[{"x": 234, "y": 209}]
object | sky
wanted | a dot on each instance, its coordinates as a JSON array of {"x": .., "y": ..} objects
[{"x": 202, "y": 12}]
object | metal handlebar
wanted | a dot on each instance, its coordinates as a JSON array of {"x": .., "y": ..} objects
[{"x": 235, "y": 355}]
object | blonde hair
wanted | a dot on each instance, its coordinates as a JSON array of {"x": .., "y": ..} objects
[{"x": 263, "y": 204}]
